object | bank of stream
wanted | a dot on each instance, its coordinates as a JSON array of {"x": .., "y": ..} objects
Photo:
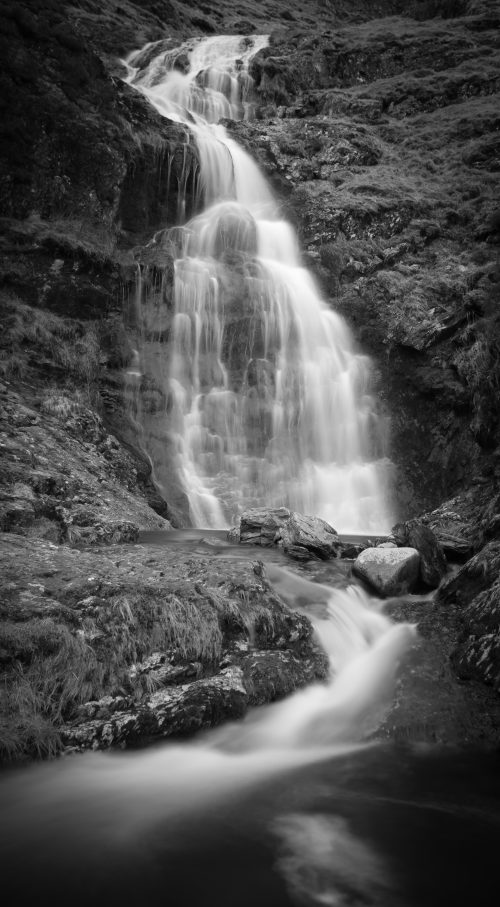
[{"x": 374, "y": 788}]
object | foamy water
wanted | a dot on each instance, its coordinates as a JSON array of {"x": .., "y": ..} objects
[{"x": 267, "y": 400}]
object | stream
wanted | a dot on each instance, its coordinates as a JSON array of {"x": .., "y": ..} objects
[
  {"x": 183, "y": 825},
  {"x": 268, "y": 401},
  {"x": 298, "y": 804}
]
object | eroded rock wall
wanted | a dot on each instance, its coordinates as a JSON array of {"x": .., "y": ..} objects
[
  {"x": 379, "y": 130},
  {"x": 382, "y": 138}
]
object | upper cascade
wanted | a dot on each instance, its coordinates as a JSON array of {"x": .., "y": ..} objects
[{"x": 267, "y": 401}]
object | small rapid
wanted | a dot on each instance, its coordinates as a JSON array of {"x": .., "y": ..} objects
[
  {"x": 267, "y": 401},
  {"x": 323, "y": 721},
  {"x": 300, "y": 803}
]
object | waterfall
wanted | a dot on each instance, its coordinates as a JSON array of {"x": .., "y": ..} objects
[{"x": 266, "y": 402}]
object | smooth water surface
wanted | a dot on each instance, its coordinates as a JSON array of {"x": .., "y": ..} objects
[{"x": 380, "y": 826}]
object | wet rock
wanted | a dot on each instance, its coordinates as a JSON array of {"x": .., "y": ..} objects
[
  {"x": 248, "y": 677},
  {"x": 460, "y": 524},
  {"x": 388, "y": 571},
  {"x": 262, "y": 527},
  {"x": 477, "y": 655},
  {"x": 301, "y": 537},
  {"x": 415, "y": 534},
  {"x": 475, "y": 589},
  {"x": 169, "y": 712},
  {"x": 271, "y": 675},
  {"x": 475, "y": 576}
]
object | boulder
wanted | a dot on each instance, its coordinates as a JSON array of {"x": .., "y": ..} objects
[
  {"x": 456, "y": 525},
  {"x": 415, "y": 534},
  {"x": 262, "y": 527},
  {"x": 390, "y": 571},
  {"x": 300, "y": 536}
]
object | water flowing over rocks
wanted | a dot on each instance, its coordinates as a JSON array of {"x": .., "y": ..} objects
[
  {"x": 390, "y": 571},
  {"x": 264, "y": 397}
]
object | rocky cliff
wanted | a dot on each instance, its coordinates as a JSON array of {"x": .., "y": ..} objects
[{"x": 378, "y": 126}]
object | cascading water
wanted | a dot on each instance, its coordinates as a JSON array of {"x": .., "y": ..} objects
[
  {"x": 266, "y": 401},
  {"x": 289, "y": 423},
  {"x": 113, "y": 822}
]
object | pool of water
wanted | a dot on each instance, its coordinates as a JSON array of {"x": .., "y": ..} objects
[
  {"x": 377, "y": 825},
  {"x": 214, "y": 543}
]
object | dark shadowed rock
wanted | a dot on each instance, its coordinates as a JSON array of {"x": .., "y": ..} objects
[
  {"x": 390, "y": 571},
  {"x": 415, "y": 534},
  {"x": 477, "y": 655},
  {"x": 478, "y": 574},
  {"x": 475, "y": 589}
]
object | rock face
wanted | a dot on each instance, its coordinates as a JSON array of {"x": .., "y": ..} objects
[
  {"x": 404, "y": 242},
  {"x": 471, "y": 595},
  {"x": 389, "y": 571},
  {"x": 299, "y": 536},
  {"x": 476, "y": 590},
  {"x": 65, "y": 477}
]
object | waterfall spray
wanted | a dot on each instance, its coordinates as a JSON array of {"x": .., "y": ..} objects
[{"x": 267, "y": 402}]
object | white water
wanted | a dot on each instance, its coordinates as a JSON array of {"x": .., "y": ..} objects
[
  {"x": 267, "y": 402},
  {"x": 116, "y": 796}
]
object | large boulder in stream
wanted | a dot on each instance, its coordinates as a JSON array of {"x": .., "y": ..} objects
[
  {"x": 300, "y": 536},
  {"x": 389, "y": 571},
  {"x": 415, "y": 534}
]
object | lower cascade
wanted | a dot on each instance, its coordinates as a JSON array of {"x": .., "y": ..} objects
[
  {"x": 113, "y": 796},
  {"x": 264, "y": 399}
]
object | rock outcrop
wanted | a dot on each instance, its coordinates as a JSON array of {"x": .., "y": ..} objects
[
  {"x": 136, "y": 643},
  {"x": 415, "y": 534},
  {"x": 476, "y": 589},
  {"x": 396, "y": 206},
  {"x": 300, "y": 536}
]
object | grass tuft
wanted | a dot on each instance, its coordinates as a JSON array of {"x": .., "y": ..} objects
[{"x": 32, "y": 334}]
